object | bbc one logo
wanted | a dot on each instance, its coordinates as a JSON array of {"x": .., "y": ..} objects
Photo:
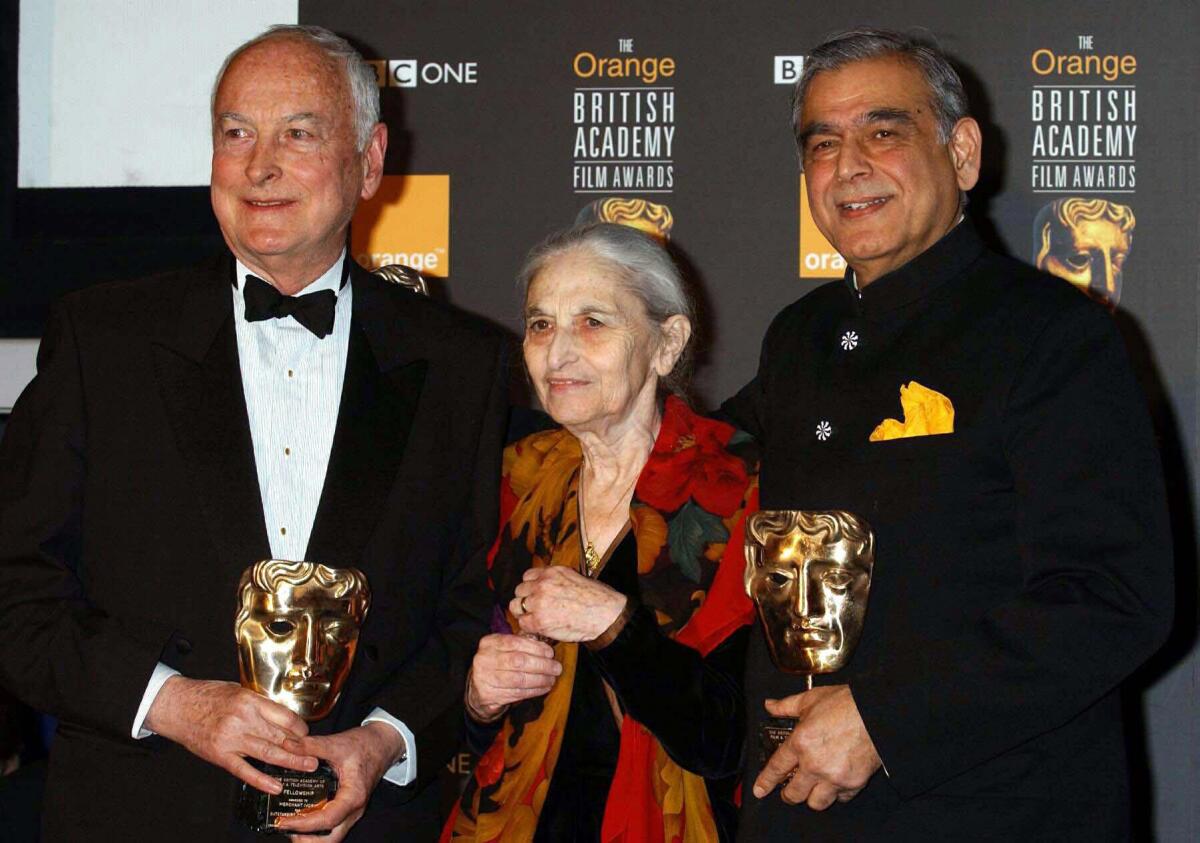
[
  {"x": 408, "y": 73},
  {"x": 788, "y": 69}
]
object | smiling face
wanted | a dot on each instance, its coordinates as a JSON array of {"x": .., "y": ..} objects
[
  {"x": 286, "y": 171},
  {"x": 593, "y": 355},
  {"x": 809, "y": 574},
  {"x": 882, "y": 186},
  {"x": 297, "y": 638}
]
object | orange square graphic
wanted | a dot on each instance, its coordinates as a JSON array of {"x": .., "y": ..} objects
[
  {"x": 408, "y": 222},
  {"x": 818, "y": 259}
]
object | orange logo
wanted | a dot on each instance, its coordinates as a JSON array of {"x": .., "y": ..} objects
[
  {"x": 407, "y": 222},
  {"x": 818, "y": 259}
]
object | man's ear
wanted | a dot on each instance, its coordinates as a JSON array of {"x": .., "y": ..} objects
[
  {"x": 676, "y": 331},
  {"x": 966, "y": 149},
  {"x": 373, "y": 161}
]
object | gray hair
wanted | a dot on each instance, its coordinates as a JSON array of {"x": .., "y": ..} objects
[
  {"x": 946, "y": 95},
  {"x": 644, "y": 267},
  {"x": 360, "y": 76}
]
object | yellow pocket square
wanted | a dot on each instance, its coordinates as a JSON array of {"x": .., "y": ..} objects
[{"x": 925, "y": 413}]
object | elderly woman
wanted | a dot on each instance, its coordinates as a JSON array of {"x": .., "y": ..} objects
[{"x": 622, "y": 532}]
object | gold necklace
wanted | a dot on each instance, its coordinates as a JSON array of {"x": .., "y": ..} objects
[{"x": 591, "y": 559}]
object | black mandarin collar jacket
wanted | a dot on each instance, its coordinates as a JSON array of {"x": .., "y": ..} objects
[{"x": 1022, "y": 561}]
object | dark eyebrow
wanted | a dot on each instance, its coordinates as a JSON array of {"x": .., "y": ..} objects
[
  {"x": 886, "y": 115},
  {"x": 875, "y": 115},
  {"x": 813, "y": 129}
]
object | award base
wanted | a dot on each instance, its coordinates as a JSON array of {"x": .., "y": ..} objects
[
  {"x": 773, "y": 732},
  {"x": 302, "y": 792}
]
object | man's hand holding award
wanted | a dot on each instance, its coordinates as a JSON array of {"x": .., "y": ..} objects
[{"x": 809, "y": 575}]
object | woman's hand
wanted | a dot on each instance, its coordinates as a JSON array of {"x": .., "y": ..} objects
[
  {"x": 564, "y": 605},
  {"x": 508, "y": 669}
]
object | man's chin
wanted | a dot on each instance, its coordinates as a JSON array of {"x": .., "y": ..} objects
[
  {"x": 268, "y": 244},
  {"x": 862, "y": 246}
]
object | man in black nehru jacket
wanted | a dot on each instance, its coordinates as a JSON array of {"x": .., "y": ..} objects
[{"x": 982, "y": 417}]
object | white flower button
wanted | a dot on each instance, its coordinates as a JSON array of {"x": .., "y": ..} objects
[
  {"x": 824, "y": 430},
  {"x": 850, "y": 340}
]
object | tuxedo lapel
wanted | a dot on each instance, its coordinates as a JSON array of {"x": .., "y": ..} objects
[
  {"x": 384, "y": 377},
  {"x": 200, "y": 381}
]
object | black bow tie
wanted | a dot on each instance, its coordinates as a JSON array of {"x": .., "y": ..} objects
[{"x": 312, "y": 310}]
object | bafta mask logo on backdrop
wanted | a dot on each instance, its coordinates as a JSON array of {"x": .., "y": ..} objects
[
  {"x": 1086, "y": 242},
  {"x": 651, "y": 217},
  {"x": 406, "y": 222}
]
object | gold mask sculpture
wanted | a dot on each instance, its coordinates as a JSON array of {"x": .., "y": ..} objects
[
  {"x": 651, "y": 217},
  {"x": 297, "y": 631},
  {"x": 1086, "y": 242},
  {"x": 809, "y": 574}
]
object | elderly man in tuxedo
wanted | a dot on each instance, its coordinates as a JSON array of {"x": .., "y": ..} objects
[{"x": 277, "y": 402}]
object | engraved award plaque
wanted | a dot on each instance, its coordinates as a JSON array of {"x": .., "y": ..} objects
[
  {"x": 297, "y": 631},
  {"x": 809, "y": 575}
]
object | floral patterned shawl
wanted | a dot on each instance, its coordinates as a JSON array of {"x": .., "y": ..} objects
[{"x": 688, "y": 511}]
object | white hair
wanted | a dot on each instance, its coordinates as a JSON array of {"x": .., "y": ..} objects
[
  {"x": 644, "y": 267},
  {"x": 364, "y": 91}
]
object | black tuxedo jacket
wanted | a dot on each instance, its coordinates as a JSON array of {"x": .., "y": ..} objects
[
  {"x": 129, "y": 505},
  {"x": 1022, "y": 562}
]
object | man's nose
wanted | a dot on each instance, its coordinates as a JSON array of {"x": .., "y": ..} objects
[
  {"x": 852, "y": 160},
  {"x": 263, "y": 165}
]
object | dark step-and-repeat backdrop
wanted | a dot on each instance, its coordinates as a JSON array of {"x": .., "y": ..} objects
[{"x": 510, "y": 120}]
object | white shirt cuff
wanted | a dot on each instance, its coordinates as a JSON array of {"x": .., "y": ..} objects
[
  {"x": 403, "y": 771},
  {"x": 160, "y": 675}
]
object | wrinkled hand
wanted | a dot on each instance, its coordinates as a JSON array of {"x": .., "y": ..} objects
[
  {"x": 564, "y": 605},
  {"x": 830, "y": 751},
  {"x": 360, "y": 756},
  {"x": 507, "y": 669},
  {"x": 223, "y": 722}
]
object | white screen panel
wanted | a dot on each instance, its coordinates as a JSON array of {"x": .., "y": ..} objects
[{"x": 115, "y": 94}]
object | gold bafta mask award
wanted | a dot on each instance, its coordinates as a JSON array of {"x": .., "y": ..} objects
[
  {"x": 809, "y": 575},
  {"x": 297, "y": 631}
]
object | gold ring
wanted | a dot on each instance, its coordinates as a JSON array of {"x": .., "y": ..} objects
[{"x": 524, "y": 611}]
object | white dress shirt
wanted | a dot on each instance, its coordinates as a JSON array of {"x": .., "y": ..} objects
[{"x": 292, "y": 381}]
